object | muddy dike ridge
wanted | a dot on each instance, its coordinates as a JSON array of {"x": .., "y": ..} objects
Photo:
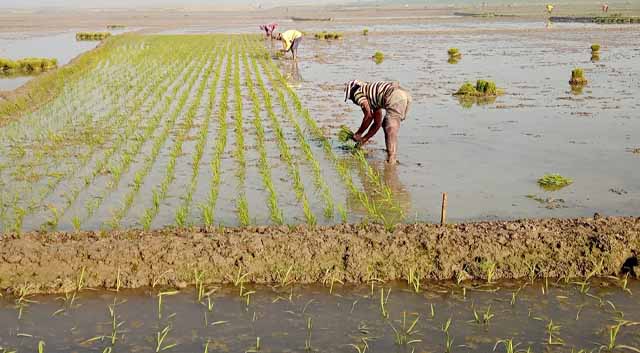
[{"x": 53, "y": 262}]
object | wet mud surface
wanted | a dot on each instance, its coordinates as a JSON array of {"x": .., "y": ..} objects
[{"x": 52, "y": 262}]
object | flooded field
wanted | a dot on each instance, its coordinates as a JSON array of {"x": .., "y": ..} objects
[
  {"x": 218, "y": 131},
  {"x": 541, "y": 315}
]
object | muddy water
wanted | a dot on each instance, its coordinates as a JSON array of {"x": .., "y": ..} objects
[
  {"x": 340, "y": 317},
  {"x": 488, "y": 157}
]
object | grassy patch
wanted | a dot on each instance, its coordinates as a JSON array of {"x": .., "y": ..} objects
[{"x": 554, "y": 181}]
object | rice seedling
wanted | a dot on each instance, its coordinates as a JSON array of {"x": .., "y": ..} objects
[
  {"x": 483, "y": 88},
  {"x": 489, "y": 269},
  {"x": 255, "y": 348},
  {"x": 612, "y": 344},
  {"x": 577, "y": 77},
  {"x": 160, "y": 337},
  {"x": 553, "y": 332},
  {"x": 403, "y": 335},
  {"x": 307, "y": 341},
  {"x": 485, "y": 319},
  {"x": 448, "y": 340},
  {"x": 365, "y": 32},
  {"x": 345, "y": 134},
  {"x": 554, "y": 181},
  {"x": 41, "y": 345},
  {"x": 413, "y": 280},
  {"x": 378, "y": 57},
  {"x": 595, "y": 48},
  {"x": 96, "y": 36},
  {"x": 383, "y": 303},
  {"x": 510, "y": 347},
  {"x": 162, "y": 295}
]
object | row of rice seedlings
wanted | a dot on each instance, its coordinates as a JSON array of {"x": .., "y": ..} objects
[
  {"x": 285, "y": 151},
  {"x": 83, "y": 159},
  {"x": 263, "y": 162},
  {"x": 160, "y": 192},
  {"x": 190, "y": 77},
  {"x": 241, "y": 203},
  {"x": 320, "y": 183},
  {"x": 140, "y": 175},
  {"x": 208, "y": 208},
  {"x": 117, "y": 165},
  {"x": 341, "y": 166},
  {"x": 183, "y": 210}
]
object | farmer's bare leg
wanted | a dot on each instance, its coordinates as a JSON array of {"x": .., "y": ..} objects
[{"x": 391, "y": 128}]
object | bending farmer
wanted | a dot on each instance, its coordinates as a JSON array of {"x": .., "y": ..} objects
[
  {"x": 290, "y": 41},
  {"x": 373, "y": 98},
  {"x": 269, "y": 29}
]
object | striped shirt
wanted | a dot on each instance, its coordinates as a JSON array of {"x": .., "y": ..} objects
[{"x": 375, "y": 93}]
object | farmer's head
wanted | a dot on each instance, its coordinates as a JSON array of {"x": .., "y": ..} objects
[{"x": 350, "y": 88}]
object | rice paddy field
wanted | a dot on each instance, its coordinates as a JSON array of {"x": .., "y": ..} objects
[{"x": 187, "y": 190}]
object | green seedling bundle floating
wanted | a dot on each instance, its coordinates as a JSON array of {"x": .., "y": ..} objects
[
  {"x": 26, "y": 65},
  {"x": 595, "y": 48},
  {"x": 92, "y": 36},
  {"x": 482, "y": 88},
  {"x": 577, "y": 77},
  {"x": 454, "y": 53},
  {"x": 554, "y": 181},
  {"x": 378, "y": 57},
  {"x": 324, "y": 35}
]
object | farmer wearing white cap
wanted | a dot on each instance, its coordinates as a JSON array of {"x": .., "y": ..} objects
[{"x": 373, "y": 97}]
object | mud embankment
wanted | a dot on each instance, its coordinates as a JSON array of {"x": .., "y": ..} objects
[{"x": 52, "y": 262}]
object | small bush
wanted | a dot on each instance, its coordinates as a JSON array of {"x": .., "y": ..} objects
[
  {"x": 454, "y": 52},
  {"x": 577, "y": 77},
  {"x": 595, "y": 47},
  {"x": 378, "y": 57},
  {"x": 554, "y": 181},
  {"x": 92, "y": 35}
]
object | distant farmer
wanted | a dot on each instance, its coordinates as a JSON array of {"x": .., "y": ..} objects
[
  {"x": 290, "y": 41},
  {"x": 269, "y": 29},
  {"x": 549, "y": 8},
  {"x": 373, "y": 97},
  {"x": 605, "y": 7}
]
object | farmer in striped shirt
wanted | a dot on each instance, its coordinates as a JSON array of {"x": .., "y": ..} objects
[
  {"x": 373, "y": 97},
  {"x": 290, "y": 41}
]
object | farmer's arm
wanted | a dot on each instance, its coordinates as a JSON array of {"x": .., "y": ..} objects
[
  {"x": 377, "y": 123},
  {"x": 366, "y": 120}
]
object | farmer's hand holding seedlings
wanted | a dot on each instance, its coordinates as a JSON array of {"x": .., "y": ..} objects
[{"x": 373, "y": 98}]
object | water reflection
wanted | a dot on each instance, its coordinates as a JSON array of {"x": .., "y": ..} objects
[{"x": 393, "y": 209}]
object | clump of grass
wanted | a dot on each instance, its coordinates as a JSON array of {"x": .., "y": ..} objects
[
  {"x": 483, "y": 88},
  {"x": 577, "y": 77},
  {"x": 345, "y": 134},
  {"x": 454, "y": 53},
  {"x": 595, "y": 47},
  {"x": 92, "y": 35},
  {"x": 365, "y": 32},
  {"x": 27, "y": 65},
  {"x": 554, "y": 181},
  {"x": 378, "y": 57},
  {"x": 324, "y": 35}
]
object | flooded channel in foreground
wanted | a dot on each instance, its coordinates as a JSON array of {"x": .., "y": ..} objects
[{"x": 543, "y": 315}]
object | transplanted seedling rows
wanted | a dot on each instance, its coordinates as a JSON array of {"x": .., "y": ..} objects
[{"x": 181, "y": 130}]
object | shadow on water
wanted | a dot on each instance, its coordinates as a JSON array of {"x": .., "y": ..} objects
[{"x": 389, "y": 317}]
